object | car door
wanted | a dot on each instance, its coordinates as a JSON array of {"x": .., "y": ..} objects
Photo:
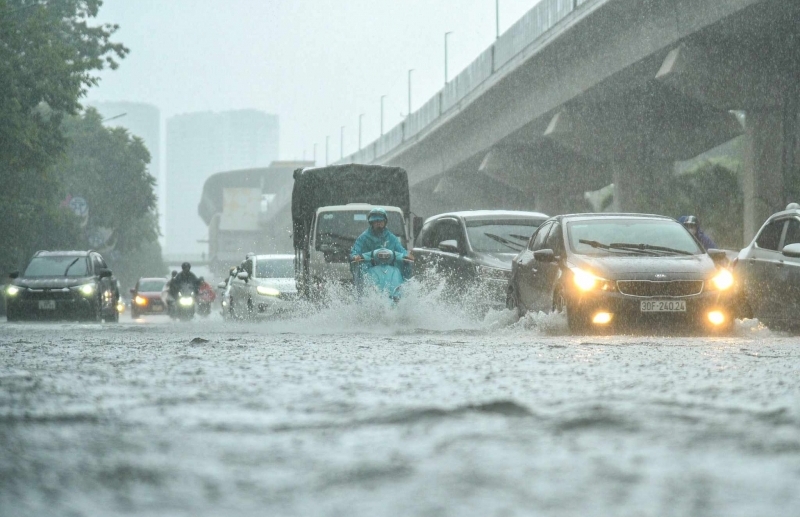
[
  {"x": 423, "y": 257},
  {"x": 239, "y": 288},
  {"x": 526, "y": 267},
  {"x": 434, "y": 259},
  {"x": 762, "y": 270},
  {"x": 787, "y": 276},
  {"x": 547, "y": 273}
]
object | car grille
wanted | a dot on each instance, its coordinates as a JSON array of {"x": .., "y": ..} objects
[
  {"x": 48, "y": 294},
  {"x": 649, "y": 288}
]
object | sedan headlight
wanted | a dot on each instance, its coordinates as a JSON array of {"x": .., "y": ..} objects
[
  {"x": 12, "y": 290},
  {"x": 140, "y": 300},
  {"x": 586, "y": 281},
  {"x": 267, "y": 291},
  {"x": 493, "y": 273},
  {"x": 723, "y": 280},
  {"x": 86, "y": 289}
]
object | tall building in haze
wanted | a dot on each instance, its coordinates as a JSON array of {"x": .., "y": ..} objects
[
  {"x": 144, "y": 121},
  {"x": 199, "y": 145}
]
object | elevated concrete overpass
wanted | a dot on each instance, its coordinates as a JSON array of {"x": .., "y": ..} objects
[{"x": 582, "y": 93}]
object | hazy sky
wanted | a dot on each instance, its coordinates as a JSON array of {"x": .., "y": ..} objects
[{"x": 317, "y": 64}]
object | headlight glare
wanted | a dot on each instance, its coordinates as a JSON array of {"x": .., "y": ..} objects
[
  {"x": 186, "y": 301},
  {"x": 586, "y": 281},
  {"x": 87, "y": 289},
  {"x": 12, "y": 290},
  {"x": 267, "y": 291},
  {"x": 140, "y": 300},
  {"x": 723, "y": 280}
]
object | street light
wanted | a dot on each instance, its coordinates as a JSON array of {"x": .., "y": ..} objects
[
  {"x": 446, "y": 34},
  {"x": 315, "y": 153},
  {"x": 409, "y": 91},
  {"x": 341, "y": 143},
  {"x": 327, "y": 140},
  {"x": 361, "y": 116},
  {"x": 382, "y": 97}
]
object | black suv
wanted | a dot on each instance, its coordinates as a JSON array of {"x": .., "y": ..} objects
[{"x": 63, "y": 284}]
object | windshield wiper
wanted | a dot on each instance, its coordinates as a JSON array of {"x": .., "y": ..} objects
[
  {"x": 646, "y": 247},
  {"x": 520, "y": 237},
  {"x": 613, "y": 246},
  {"x": 70, "y": 265},
  {"x": 513, "y": 245}
]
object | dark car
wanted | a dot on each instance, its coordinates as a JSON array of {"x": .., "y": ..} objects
[
  {"x": 474, "y": 247},
  {"x": 146, "y": 297},
  {"x": 769, "y": 271},
  {"x": 622, "y": 270},
  {"x": 63, "y": 284}
]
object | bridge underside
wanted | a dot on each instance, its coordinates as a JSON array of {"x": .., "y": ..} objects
[{"x": 619, "y": 98}]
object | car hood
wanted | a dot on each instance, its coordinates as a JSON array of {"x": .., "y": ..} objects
[
  {"x": 496, "y": 260},
  {"x": 53, "y": 282},
  {"x": 695, "y": 267},
  {"x": 284, "y": 285}
]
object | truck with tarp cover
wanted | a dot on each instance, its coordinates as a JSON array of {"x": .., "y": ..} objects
[{"x": 329, "y": 211}]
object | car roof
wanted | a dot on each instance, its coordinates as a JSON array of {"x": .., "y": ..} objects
[
  {"x": 784, "y": 213},
  {"x": 357, "y": 206},
  {"x": 274, "y": 256},
  {"x": 614, "y": 215},
  {"x": 64, "y": 253},
  {"x": 490, "y": 214}
]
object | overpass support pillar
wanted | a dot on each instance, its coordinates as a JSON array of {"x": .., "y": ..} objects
[{"x": 770, "y": 164}]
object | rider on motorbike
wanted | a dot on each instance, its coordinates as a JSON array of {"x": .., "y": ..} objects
[
  {"x": 184, "y": 277},
  {"x": 377, "y": 236}
]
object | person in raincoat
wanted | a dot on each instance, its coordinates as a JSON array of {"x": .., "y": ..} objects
[
  {"x": 375, "y": 237},
  {"x": 690, "y": 223}
]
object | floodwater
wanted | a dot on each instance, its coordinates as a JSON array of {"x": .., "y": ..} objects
[{"x": 414, "y": 410}]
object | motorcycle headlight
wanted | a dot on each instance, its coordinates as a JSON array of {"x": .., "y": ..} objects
[
  {"x": 493, "y": 273},
  {"x": 86, "y": 289},
  {"x": 12, "y": 290},
  {"x": 586, "y": 281},
  {"x": 723, "y": 280},
  {"x": 186, "y": 301},
  {"x": 267, "y": 291}
]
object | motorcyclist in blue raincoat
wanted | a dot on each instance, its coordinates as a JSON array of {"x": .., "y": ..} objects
[
  {"x": 690, "y": 223},
  {"x": 375, "y": 237}
]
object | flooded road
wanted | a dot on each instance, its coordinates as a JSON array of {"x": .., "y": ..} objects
[{"x": 405, "y": 411}]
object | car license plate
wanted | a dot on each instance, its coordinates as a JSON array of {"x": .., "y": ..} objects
[
  {"x": 662, "y": 306},
  {"x": 157, "y": 308},
  {"x": 47, "y": 305}
]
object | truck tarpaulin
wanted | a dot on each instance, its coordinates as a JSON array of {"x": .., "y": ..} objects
[{"x": 343, "y": 184}]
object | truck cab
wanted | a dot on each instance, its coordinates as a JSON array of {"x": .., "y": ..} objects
[{"x": 335, "y": 229}]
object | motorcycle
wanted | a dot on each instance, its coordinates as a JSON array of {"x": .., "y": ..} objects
[
  {"x": 384, "y": 270},
  {"x": 185, "y": 303}
]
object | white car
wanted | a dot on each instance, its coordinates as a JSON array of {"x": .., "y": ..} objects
[{"x": 264, "y": 286}]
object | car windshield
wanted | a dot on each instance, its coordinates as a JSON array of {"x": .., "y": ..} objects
[
  {"x": 630, "y": 236},
  {"x": 342, "y": 228},
  {"x": 150, "y": 286},
  {"x": 275, "y": 268},
  {"x": 506, "y": 236},
  {"x": 58, "y": 266}
]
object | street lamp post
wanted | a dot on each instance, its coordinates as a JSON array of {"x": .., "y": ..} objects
[
  {"x": 341, "y": 143},
  {"x": 315, "y": 153},
  {"x": 382, "y": 97},
  {"x": 497, "y": 19},
  {"x": 327, "y": 140},
  {"x": 446, "y": 34},
  {"x": 409, "y": 91},
  {"x": 361, "y": 116}
]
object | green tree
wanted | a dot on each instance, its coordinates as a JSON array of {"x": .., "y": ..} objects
[{"x": 48, "y": 53}]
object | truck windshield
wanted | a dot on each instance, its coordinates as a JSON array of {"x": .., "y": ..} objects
[
  {"x": 342, "y": 227},
  {"x": 58, "y": 266}
]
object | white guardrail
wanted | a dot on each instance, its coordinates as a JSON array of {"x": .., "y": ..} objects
[{"x": 527, "y": 31}]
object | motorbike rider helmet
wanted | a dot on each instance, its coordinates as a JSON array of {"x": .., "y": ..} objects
[
  {"x": 186, "y": 267},
  {"x": 690, "y": 220},
  {"x": 174, "y": 273},
  {"x": 377, "y": 214}
]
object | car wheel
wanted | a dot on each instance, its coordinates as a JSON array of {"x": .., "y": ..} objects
[
  {"x": 513, "y": 302},
  {"x": 577, "y": 320}
]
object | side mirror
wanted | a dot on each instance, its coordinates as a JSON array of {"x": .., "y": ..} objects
[
  {"x": 242, "y": 275},
  {"x": 716, "y": 255},
  {"x": 546, "y": 255},
  {"x": 792, "y": 250},
  {"x": 14, "y": 274},
  {"x": 133, "y": 291},
  {"x": 222, "y": 285},
  {"x": 449, "y": 246},
  {"x": 106, "y": 273}
]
